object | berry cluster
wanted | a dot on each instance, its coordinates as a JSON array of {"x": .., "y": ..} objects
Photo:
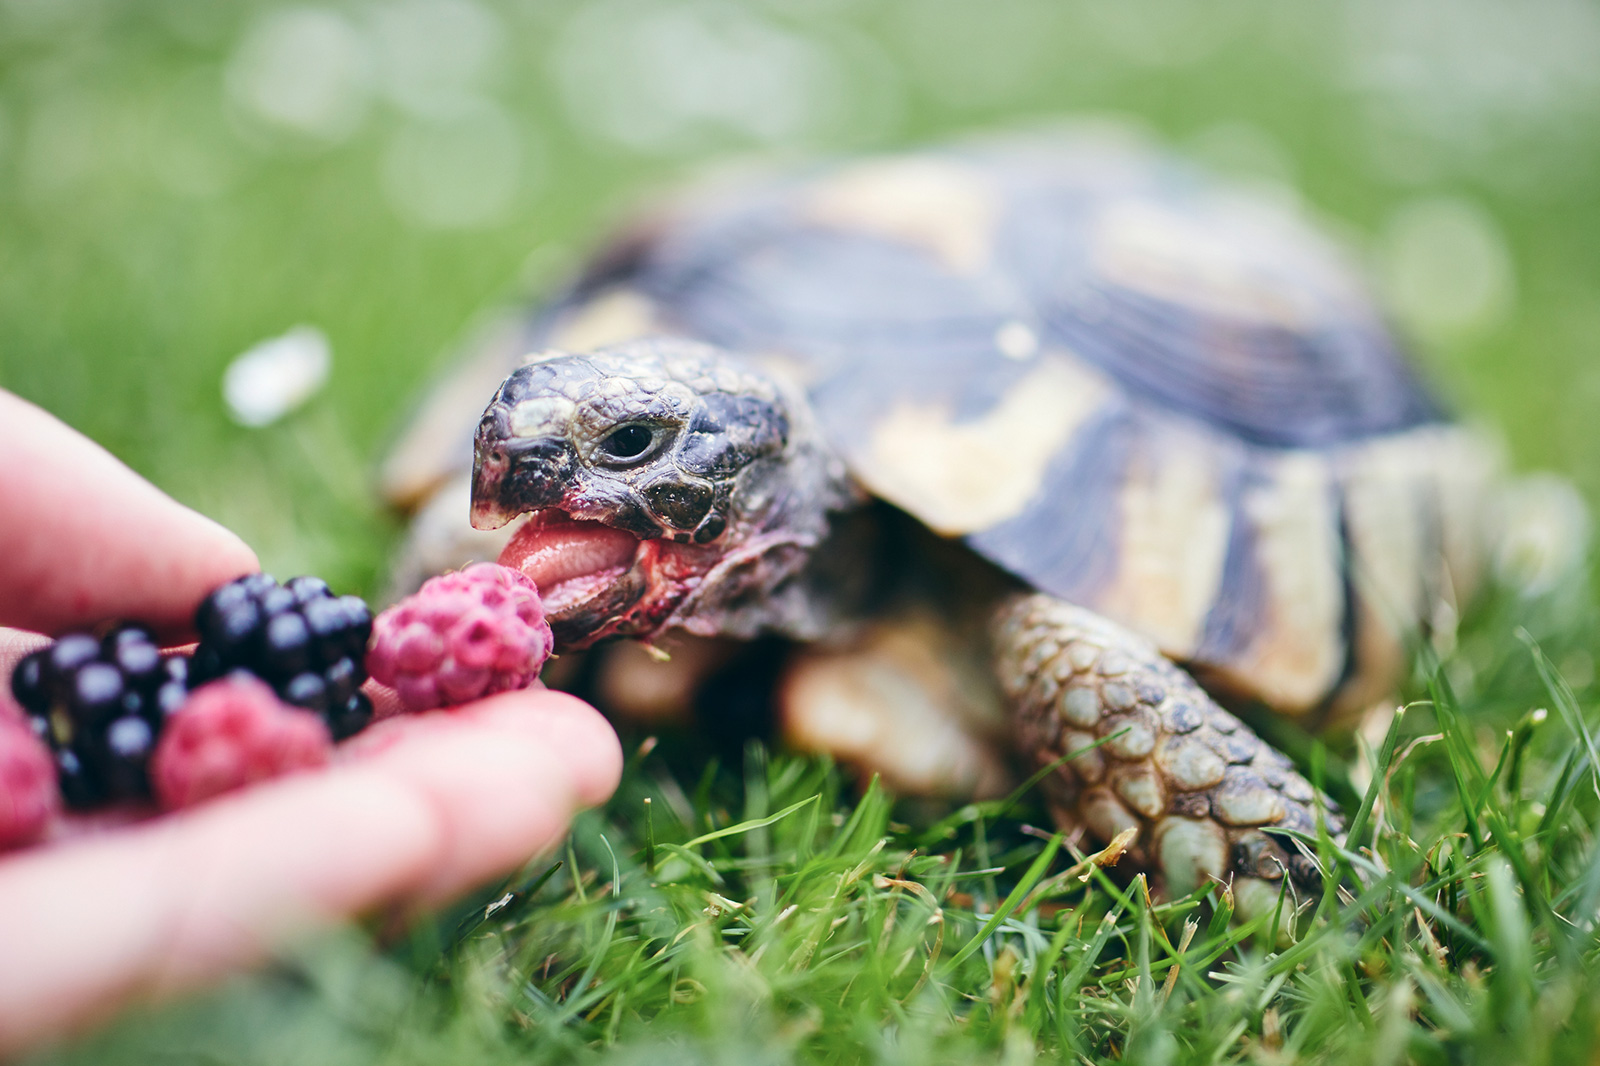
[
  {"x": 100, "y": 704},
  {"x": 96, "y": 708},
  {"x": 462, "y": 636},
  {"x": 300, "y": 638}
]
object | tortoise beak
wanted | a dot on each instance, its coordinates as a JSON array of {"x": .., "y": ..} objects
[
  {"x": 587, "y": 569},
  {"x": 584, "y": 569},
  {"x": 513, "y": 475}
]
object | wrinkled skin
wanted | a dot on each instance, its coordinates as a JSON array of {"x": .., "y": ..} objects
[{"x": 666, "y": 485}]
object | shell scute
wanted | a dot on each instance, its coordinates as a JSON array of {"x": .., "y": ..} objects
[{"x": 1128, "y": 385}]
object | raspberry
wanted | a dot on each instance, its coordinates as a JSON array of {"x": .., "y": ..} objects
[
  {"x": 99, "y": 705},
  {"x": 27, "y": 785},
  {"x": 231, "y": 733},
  {"x": 300, "y": 638},
  {"x": 461, "y": 636}
]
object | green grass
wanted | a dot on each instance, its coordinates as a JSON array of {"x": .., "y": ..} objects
[
  {"x": 774, "y": 912},
  {"x": 765, "y": 910}
]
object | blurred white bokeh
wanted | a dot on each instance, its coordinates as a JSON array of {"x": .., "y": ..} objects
[
  {"x": 304, "y": 70},
  {"x": 462, "y": 172},
  {"x": 1446, "y": 269},
  {"x": 272, "y": 378},
  {"x": 679, "y": 76},
  {"x": 1545, "y": 534},
  {"x": 1449, "y": 86},
  {"x": 439, "y": 57}
]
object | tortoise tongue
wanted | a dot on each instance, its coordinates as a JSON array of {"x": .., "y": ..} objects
[{"x": 569, "y": 559}]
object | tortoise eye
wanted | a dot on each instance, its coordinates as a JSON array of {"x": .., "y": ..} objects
[{"x": 629, "y": 442}]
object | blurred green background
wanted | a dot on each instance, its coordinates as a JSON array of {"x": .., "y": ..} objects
[{"x": 182, "y": 179}]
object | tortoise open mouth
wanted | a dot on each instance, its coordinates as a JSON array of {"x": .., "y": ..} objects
[
  {"x": 599, "y": 581},
  {"x": 573, "y": 562}
]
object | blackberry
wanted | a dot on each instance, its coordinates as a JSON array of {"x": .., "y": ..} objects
[
  {"x": 350, "y": 717},
  {"x": 306, "y": 643},
  {"x": 100, "y": 705},
  {"x": 27, "y": 684}
]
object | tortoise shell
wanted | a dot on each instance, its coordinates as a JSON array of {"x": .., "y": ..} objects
[{"x": 1133, "y": 387}]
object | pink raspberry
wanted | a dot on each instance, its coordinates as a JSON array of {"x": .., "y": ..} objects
[
  {"x": 11, "y": 713},
  {"x": 460, "y": 637},
  {"x": 231, "y": 733},
  {"x": 28, "y": 794}
]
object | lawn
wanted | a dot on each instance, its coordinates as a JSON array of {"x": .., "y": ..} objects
[
  {"x": 762, "y": 909},
  {"x": 181, "y": 179}
]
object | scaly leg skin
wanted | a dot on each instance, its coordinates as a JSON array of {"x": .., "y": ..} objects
[{"x": 1198, "y": 785}]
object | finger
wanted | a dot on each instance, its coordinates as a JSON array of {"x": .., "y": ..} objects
[
  {"x": 385, "y": 700},
  {"x": 446, "y": 802},
  {"x": 86, "y": 539},
  {"x": 474, "y": 780},
  {"x": 74, "y": 955}
]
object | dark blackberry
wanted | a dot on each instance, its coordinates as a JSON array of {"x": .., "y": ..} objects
[
  {"x": 307, "y": 588},
  {"x": 97, "y": 692},
  {"x": 100, "y": 705},
  {"x": 27, "y": 684},
  {"x": 169, "y": 697},
  {"x": 286, "y": 644},
  {"x": 344, "y": 679},
  {"x": 133, "y": 650},
  {"x": 171, "y": 691},
  {"x": 123, "y": 754},
  {"x": 205, "y": 665},
  {"x": 275, "y": 601},
  {"x": 340, "y": 627},
  {"x": 307, "y": 690},
  {"x": 298, "y": 637},
  {"x": 78, "y": 786},
  {"x": 231, "y": 623},
  {"x": 175, "y": 668},
  {"x": 350, "y": 717},
  {"x": 62, "y": 660}
]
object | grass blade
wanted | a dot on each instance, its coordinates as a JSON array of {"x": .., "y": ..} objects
[{"x": 1017, "y": 894}]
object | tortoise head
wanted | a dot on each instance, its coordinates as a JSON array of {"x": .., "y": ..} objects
[{"x": 665, "y": 483}]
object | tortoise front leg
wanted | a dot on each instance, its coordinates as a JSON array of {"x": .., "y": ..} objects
[{"x": 1198, "y": 785}]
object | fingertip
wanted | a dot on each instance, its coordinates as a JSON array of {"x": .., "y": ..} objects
[
  {"x": 556, "y": 721},
  {"x": 87, "y": 539},
  {"x": 574, "y": 730},
  {"x": 229, "y": 556},
  {"x": 502, "y": 793}
]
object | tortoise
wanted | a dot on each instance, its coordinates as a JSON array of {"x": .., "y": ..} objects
[{"x": 1136, "y": 441}]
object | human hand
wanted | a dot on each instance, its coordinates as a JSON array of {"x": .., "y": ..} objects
[{"x": 416, "y": 811}]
